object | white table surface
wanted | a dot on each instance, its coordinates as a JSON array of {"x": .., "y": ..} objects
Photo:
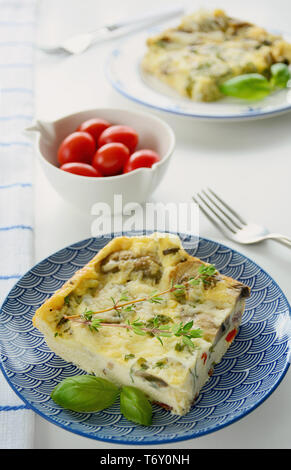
[{"x": 249, "y": 163}]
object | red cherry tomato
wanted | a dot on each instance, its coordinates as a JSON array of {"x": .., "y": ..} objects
[
  {"x": 82, "y": 169},
  {"x": 110, "y": 158},
  {"x": 95, "y": 127},
  {"x": 77, "y": 147},
  {"x": 124, "y": 134},
  {"x": 141, "y": 159}
]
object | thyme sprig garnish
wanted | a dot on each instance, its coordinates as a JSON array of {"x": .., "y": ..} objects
[
  {"x": 158, "y": 326},
  {"x": 204, "y": 276},
  {"x": 157, "y": 330}
]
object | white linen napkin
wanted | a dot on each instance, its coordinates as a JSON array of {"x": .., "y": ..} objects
[{"x": 17, "y": 32}]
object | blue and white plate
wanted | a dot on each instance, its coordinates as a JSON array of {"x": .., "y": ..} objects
[
  {"x": 250, "y": 371},
  {"x": 125, "y": 74}
]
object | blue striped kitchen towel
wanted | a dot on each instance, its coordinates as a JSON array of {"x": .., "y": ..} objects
[{"x": 17, "y": 33}]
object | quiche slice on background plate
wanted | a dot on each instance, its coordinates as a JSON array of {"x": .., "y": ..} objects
[{"x": 180, "y": 69}]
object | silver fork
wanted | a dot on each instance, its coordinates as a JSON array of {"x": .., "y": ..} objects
[
  {"x": 231, "y": 224},
  {"x": 79, "y": 43}
]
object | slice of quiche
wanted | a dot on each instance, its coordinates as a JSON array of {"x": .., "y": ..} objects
[
  {"x": 208, "y": 48},
  {"x": 122, "y": 316}
]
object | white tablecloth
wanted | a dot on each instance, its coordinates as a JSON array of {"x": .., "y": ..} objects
[{"x": 17, "y": 33}]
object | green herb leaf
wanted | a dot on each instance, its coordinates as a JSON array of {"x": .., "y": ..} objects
[
  {"x": 177, "y": 329},
  {"x": 135, "y": 406},
  {"x": 123, "y": 297},
  {"x": 129, "y": 356},
  {"x": 194, "y": 282},
  {"x": 138, "y": 331},
  {"x": 179, "y": 347},
  {"x": 280, "y": 75},
  {"x": 115, "y": 306},
  {"x": 85, "y": 393},
  {"x": 195, "y": 333},
  {"x": 161, "y": 364},
  {"x": 187, "y": 341},
  {"x": 88, "y": 314},
  {"x": 209, "y": 270},
  {"x": 187, "y": 326},
  {"x": 158, "y": 320},
  {"x": 250, "y": 86},
  {"x": 156, "y": 299},
  {"x": 166, "y": 327},
  {"x": 96, "y": 324},
  {"x": 179, "y": 286},
  {"x": 144, "y": 366},
  {"x": 137, "y": 322},
  {"x": 129, "y": 308},
  {"x": 165, "y": 334},
  {"x": 160, "y": 340}
]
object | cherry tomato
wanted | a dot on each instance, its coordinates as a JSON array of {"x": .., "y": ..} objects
[
  {"x": 141, "y": 159},
  {"x": 95, "y": 127},
  {"x": 82, "y": 169},
  {"x": 124, "y": 134},
  {"x": 77, "y": 147},
  {"x": 110, "y": 158}
]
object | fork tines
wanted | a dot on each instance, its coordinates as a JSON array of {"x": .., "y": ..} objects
[{"x": 218, "y": 211}]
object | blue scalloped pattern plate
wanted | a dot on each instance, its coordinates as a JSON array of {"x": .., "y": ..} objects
[{"x": 249, "y": 372}]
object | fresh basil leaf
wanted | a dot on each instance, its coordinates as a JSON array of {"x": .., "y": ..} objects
[
  {"x": 85, "y": 393},
  {"x": 280, "y": 75},
  {"x": 251, "y": 86},
  {"x": 135, "y": 406}
]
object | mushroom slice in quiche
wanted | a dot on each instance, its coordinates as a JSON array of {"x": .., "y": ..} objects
[
  {"x": 143, "y": 312},
  {"x": 208, "y": 48}
]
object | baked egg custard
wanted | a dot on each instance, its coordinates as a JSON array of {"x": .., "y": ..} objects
[
  {"x": 208, "y": 48},
  {"x": 120, "y": 318}
]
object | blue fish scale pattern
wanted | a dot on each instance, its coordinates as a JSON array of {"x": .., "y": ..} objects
[{"x": 250, "y": 371}]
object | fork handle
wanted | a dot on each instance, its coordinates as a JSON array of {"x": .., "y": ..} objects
[
  {"x": 280, "y": 238},
  {"x": 149, "y": 17}
]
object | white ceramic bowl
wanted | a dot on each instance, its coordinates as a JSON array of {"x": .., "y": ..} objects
[{"x": 82, "y": 191}]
